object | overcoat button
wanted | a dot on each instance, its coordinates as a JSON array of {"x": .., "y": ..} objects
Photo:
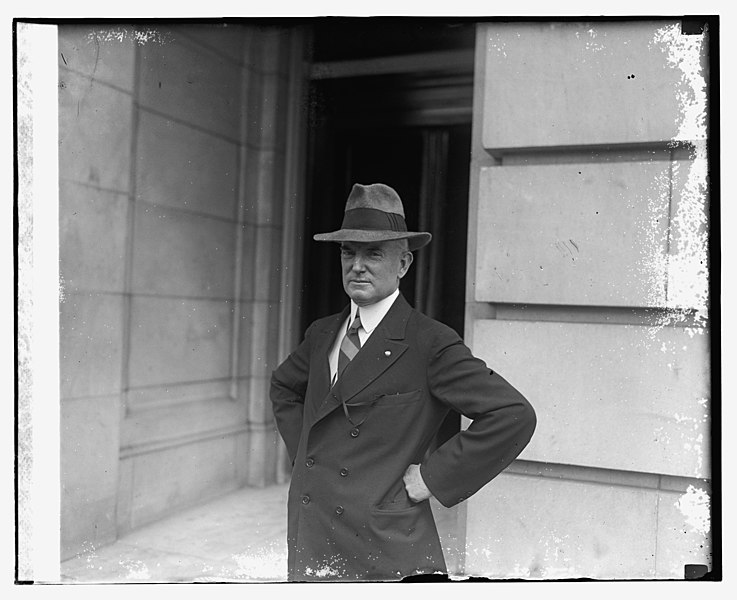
[
  {"x": 305, "y": 499},
  {"x": 354, "y": 432},
  {"x": 309, "y": 462},
  {"x": 344, "y": 472},
  {"x": 338, "y": 510}
]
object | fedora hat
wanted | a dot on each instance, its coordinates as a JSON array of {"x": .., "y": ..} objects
[{"x": 374, "y": 213}]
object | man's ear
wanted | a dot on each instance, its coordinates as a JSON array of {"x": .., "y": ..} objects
[{"x": 404, "y": 262}]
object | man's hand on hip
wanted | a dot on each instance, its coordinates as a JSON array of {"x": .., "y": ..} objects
[{"x": 414, "y": 484}]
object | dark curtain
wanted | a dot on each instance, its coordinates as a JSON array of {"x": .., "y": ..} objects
[{"x": 433, "y": 195}]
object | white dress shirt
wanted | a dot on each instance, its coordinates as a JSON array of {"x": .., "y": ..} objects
[{"x": 371, "y": 316}]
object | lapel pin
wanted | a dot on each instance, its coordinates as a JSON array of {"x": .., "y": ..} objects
[{"x": 387, "y": 353}]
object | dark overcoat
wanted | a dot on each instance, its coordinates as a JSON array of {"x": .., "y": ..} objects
[{"x": 349, "y": 516}]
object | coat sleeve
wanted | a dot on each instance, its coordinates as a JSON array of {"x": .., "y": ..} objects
[
  {"x": 287, "y": 392},
  {"x": 503, "y": 422}
]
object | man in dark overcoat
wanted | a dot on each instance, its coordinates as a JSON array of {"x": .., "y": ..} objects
[{"x": 359, "y": 402}]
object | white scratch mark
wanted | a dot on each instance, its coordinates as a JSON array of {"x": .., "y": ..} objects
[
  {"x": 686, "y": 262},
  {"x": 120, "y": 34},
  {"x": 263, "y": 564},
  {"x": 591, "y": 45},
  {"x": 694, "y": 506},
  {"x": 137, "y": 570},
  {"x": 684, "y": 52}
]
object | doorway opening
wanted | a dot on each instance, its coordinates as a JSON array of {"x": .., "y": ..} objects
[{"x": 390, "y": 101}]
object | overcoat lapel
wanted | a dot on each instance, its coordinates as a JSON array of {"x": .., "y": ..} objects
[
  {"x": 381, "y": 350},
  {"x": 322, "y": 350}
]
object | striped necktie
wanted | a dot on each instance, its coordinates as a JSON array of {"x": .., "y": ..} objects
[{"x": 350, "y": 345}]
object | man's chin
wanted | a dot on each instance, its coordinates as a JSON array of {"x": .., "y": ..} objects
[{"x": 360, "y": 297}]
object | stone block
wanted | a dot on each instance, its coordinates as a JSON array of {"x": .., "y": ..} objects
[
  {"x": 176, "y": 394},
  {"x": 625, "y": 397},
  {"x": 591, "y": 475},
  {"x": 684, "y": 532},
  {"x": 90, "y": 439},
  {"x": 570, "y": 84},
  {"x": 105, "y": 53},
  {"x": 263, "y": 187},
  {"x": 267, "y": 266},
  {"x": 273, "y": 44},
  {"x": 92, "y": 237},
  {"x": 680, "y": 485},
  {"x": 268, "y": 132},
  {"x": 94, "y": 133},
  {"x": 254, "y": 163},
  {"x": 540, "y": 528},
  {"x": 270, "y": 186},
  {"x": 577, "y": 234},
  {"x": 125, "y": 495},
  {"x": 181, "y": 254},
  {"x": 175, "y": 340},
  {"x": 192, "y": 85},
  {"x": 265, "y": 340},
  {"x": 688, "y": 262},
  {"x": 259, "y": 404},
  {"x": 242, "y": 448},
  {"x": 262, "y": 456},
  {"x": 252, "y": 80},
  {"x": 182, "y": 167},
  {"x": 90, "y": 340},
  {"x": 248, "y": 261},
  {"x": 181, "y": 476},
  {"x": 185, "y": 422},
  {"x": 246, "y": 343},
  {"x": 451, "y": 535},
  {"x": 225, "y": 38}
]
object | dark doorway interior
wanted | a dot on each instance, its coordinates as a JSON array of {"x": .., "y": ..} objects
[{"x": 410, "y": 130}]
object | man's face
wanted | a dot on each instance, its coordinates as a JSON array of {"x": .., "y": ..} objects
[{"x": 372, "y": 270}]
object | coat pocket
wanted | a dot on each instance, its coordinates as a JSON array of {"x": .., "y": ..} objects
[
  {"x": 401, "y": 521},
  {"x": 398, "y": 399},
  {"x": 397, "y": 500}
]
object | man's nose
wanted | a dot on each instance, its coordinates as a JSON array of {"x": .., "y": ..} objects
[{"x": 358, "y": 264}]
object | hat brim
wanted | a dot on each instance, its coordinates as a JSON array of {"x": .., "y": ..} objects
[{"x": 415, "y": 239}]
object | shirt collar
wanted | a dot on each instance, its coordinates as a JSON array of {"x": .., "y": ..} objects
[{"x": 372, "y": 314}]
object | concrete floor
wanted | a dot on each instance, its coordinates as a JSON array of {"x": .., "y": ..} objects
[{"x": 239, "y": 537}]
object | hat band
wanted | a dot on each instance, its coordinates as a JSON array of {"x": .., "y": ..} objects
[{"x": 373, "y": 219}]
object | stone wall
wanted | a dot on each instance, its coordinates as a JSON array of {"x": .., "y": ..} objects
[
  {"x": 172, "y": 167},
  {"x": 588, "y": 292}
]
